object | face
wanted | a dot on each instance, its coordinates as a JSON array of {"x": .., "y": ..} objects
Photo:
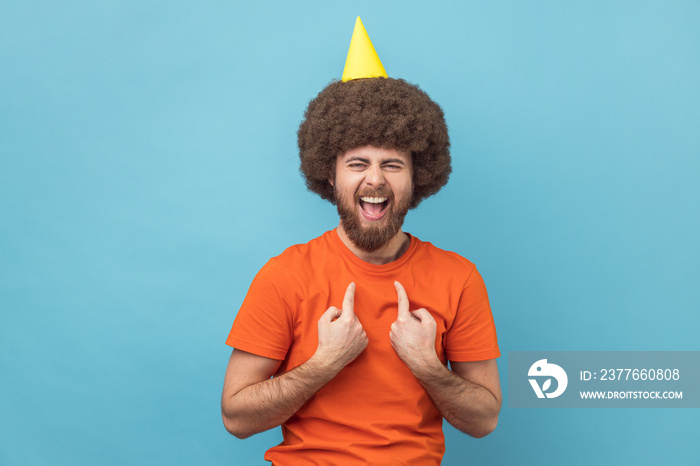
[{"x": 373, "y": 190}]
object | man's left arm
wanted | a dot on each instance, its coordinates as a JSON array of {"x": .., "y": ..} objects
[{"x": 469, "y": 396}]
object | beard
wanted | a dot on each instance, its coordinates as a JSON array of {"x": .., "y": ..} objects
[{"x": 377, "y": 234}]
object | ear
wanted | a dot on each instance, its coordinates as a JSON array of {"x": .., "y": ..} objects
[{"x": 330, "y": 181}]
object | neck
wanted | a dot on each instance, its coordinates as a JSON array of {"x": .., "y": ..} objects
[{"x": 387, "y": 253}]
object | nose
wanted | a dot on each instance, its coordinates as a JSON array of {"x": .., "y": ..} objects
[{"x": 374, "y": 176}]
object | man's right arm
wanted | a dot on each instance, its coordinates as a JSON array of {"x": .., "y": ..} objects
[{"x": 252, "y": 402}]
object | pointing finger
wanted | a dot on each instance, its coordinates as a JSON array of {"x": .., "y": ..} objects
[
  {"x": 349, "y": 299},
  {"x": 403, "y": 299}
]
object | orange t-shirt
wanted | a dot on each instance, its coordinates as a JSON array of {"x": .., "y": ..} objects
[{"x": 374, "y": 411}]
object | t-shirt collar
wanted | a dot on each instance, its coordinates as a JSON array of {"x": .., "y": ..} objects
[{"x": 343, "y": 250}]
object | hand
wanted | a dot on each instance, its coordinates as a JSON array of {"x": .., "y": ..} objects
[
  {"x": 341, "y": 337},
  {"x": 413, "y": 334}
]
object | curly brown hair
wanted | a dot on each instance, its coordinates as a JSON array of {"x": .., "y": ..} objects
[{"x": 382, "y": 112}]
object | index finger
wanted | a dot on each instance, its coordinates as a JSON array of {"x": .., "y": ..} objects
[
  {"x": 349, "y": 299},
  {"x": 403, "y": 298}
]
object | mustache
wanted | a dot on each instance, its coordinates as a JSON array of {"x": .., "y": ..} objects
[{"x": 375, "y": 193}]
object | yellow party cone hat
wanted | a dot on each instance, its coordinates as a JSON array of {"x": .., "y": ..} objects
[{"x": 362, "y": 61}]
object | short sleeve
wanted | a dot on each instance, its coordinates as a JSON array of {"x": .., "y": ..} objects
[
  {"x": 263, "y": 323},
  {"x": 472, "y": 335}
]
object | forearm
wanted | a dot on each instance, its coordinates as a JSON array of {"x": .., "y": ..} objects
[
  {"x": 469, "y": 407},
  {"x": 269, "y": 403}
]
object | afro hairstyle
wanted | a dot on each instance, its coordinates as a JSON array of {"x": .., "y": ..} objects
[{"x": 383, "y": 112}]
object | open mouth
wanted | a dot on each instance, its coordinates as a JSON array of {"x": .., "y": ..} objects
[{"x": 374, "y": 208}]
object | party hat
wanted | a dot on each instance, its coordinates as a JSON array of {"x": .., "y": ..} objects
[{"x": 362, "y": 61}]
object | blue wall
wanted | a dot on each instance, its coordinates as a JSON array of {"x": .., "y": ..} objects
[{"x": 148, "y": 169}]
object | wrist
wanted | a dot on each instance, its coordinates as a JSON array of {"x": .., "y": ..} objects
[
  {"x": 426, "y": 367},
  {"x": 321, "y": 366}
]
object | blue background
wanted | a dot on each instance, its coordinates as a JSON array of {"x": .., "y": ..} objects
[{"x": 148, "y": 169}]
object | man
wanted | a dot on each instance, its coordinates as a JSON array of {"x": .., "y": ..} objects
[{"x": 357, "y": 326}]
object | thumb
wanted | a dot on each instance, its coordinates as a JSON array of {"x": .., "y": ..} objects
[
  {"x": 330, "y": 315},
  {"x": 349, "y": 299},
  {"x": 403, "y": 300},
  {"x": 422, "y": 315}
]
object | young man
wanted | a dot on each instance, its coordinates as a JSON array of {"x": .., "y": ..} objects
[{"x": 358, "y": 325}]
